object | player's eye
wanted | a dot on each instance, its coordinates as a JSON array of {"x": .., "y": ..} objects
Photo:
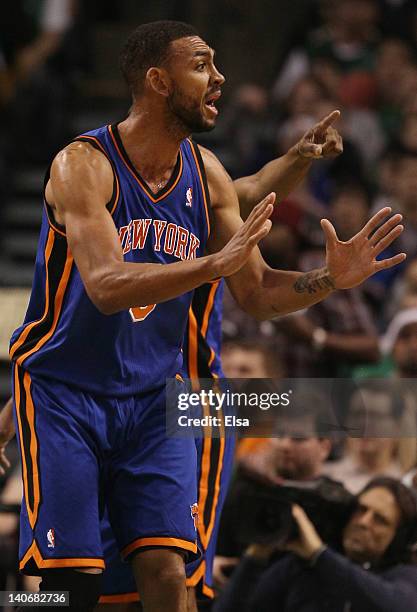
[{"x": 201, "y": 66}]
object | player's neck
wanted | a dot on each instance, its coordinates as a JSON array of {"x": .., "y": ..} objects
[{"x": 151, "y": 143}]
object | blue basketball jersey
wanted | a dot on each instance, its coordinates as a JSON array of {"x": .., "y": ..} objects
[{"x": 64, "y": 336}]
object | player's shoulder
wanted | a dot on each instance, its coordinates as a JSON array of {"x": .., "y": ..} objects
[
  {"x": 79, "y": 155},
  {"x": 81, "y": 165}
]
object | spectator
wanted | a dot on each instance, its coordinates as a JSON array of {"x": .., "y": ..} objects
[
  {"x": 385, "y": 179},
  {"x": 400, "y": 342},
  {"x": 247, "y": 127},
  {"x": 406, "y": 200},
  {"x": 404, "y": 291},
  {"x": 394, "y": 57},
  {"x": 297, "y": 453},
  {"x": 374, "y": 415},
  {"x": 250, "y": 360},
  {"x": 346, "y": 42},
  {"x": 371, "y": 573},
  {"x": 399, "y": 345}
]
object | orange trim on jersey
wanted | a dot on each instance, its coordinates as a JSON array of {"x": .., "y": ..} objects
[
  {"x": 34, "y": 553},
  {"x": 209, "y": 308},
  {"x": 203, "y": 484},
  {"x": 17, "y": 399},
  {"x": 202, "y": 186},
  {"x": 21, "y": 339},
  {"x": 30, "y": 413},
  {"x": 59, "y": 298},
  {"x": 191, "y": 581},
  {"x": 195, "y": 578},
  {"x": 179, "y": 377},
  {"x": 170, "y": 542},
  {"x": 205, "y": 462},
  {"x": 192, "y": 346},
  {"x": 98, "y": 143},
  {"x": 217, "y": 485},
  {"x": 121, "y": 598},
  {"x": 208, "y": 591},
  {"x": 146, "y": 189}
]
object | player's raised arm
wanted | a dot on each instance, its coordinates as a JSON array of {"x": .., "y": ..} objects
[
  {"x": 283, "y": 174},
  {"x": 80, "y": 186},
  {"x": 266, "y": 293}
]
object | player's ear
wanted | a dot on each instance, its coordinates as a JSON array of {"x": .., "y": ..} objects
[{"x": 158, "y": 80}]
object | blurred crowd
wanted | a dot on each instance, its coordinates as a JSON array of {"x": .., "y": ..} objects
[{"x": 359, "y": 56}]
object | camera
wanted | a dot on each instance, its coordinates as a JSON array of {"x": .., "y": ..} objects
[{"x": 263, "y": 512}]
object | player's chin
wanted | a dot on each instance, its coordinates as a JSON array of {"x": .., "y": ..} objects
[
  {"x": 204, "y": 125},
  {"x": 210, "y": 124}
]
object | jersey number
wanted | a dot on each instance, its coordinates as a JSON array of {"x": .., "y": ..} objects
[{"x": 139, "y": 313}]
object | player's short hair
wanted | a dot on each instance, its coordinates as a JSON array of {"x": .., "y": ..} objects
[{"x": 148, "y": 46}]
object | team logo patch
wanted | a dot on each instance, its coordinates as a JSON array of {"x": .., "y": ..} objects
[
  {"x": 50, "y": 536},
  {"x": 189, "y": 196},
  {"x": 194, "y": 514}
]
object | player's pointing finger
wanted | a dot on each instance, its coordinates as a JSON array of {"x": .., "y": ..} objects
[{"x": 327, "y": 122}]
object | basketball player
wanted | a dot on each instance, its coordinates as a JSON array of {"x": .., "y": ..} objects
[
  {"x": 202, "y": 360},
  {"x": 105, "y": 323}
]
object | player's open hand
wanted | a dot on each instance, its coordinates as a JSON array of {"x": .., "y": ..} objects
[
  {"x": 236, "y": 252},
  {"x": 350, "y": 263},
  {"x": 322, "y": 140}
]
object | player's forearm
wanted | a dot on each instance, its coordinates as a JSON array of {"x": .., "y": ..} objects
[
  {"x": 128, "y": 285},
  {"x": 281, "y": 175},
  {"x": 281, "y": 292}
]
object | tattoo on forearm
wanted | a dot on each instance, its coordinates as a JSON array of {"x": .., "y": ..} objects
[{"x": 312, "y": 282}]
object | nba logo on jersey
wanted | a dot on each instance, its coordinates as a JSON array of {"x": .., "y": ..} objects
[
  {"x": 194, "y": 515},
  {"x": 51, "y": 538},
  {"x": 189, "y": 196}
]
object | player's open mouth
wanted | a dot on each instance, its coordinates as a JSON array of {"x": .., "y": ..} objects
[{"x": 211, "y": 100}]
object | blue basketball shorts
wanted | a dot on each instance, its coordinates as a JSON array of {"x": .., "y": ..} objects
[
  {"x": 81, "y": 453},
  {"x": 215, "y": 461}
]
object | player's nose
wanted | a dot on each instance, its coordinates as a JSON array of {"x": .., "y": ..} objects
[{"x": 219, "y": 78}]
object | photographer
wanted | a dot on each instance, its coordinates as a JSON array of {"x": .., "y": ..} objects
[
  {"x": 297, "y": 453},
  {"x": 372, "y": 573}
]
